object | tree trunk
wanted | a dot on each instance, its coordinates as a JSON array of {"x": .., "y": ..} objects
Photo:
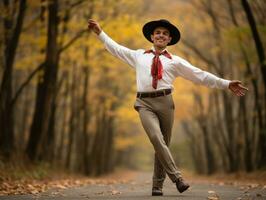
[
  {"x": 224, "y": 138},
  {"x": 202, "y": 121},
  {"x": 103, "y": 142},
  {"x": 25, "y": 119},
  {"x": 86, "y": 120},
  {"x": 261, "y": 57},
  {"x": 228, "y": 116},
  {"x": 108, "y": 165},
  {"x": 95, "y": 156},
  {"x": 61, "y": 155},
  {"x": 72, "y": 122},
  {"x": 256, "y": 37},
  {"x": 6, "y": 106},
  {"x": 257, "y": 103},
  {"x": 195, "y": 149},
  {"x": 45, "y": 88},
  {"x": 217, "y": 130}
]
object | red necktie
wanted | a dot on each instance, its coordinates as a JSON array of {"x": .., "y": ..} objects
[{"x": 157, "y": 67}]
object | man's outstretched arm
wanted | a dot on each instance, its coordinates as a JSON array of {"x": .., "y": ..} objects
[
  {"x": 123, "y": 53},
  {"x": 196, "y": 75}
]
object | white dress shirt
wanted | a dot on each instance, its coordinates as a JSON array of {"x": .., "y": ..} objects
[{"x": 172, "y": 68}]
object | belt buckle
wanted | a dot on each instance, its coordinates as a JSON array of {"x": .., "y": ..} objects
[{"x": 164, "y": 92}]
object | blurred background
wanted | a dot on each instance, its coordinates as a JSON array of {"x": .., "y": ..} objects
[{"x": 66, "y": 102}]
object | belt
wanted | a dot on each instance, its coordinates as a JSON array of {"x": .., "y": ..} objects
[{"x": 154, "y": 94}]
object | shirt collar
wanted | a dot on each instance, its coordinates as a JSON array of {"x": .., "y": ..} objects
[
  {"x": 152, "y": 48},
  {"x": 164, "y": 52}
]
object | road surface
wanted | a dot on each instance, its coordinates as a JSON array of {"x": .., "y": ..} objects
[{"x": 139, "y": 188}]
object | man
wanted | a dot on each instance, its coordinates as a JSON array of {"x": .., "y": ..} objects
[{"x": 156, "y": 69}]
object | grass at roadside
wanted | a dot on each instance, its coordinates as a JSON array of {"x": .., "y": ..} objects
[{"x": 36, "y": 178}]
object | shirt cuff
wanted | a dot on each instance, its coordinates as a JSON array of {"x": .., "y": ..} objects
[
  {"x": 102, "y": 36},
  {"x": 225, "y": 83}
]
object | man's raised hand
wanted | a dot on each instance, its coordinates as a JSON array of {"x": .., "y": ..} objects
[
  {"x": 94, "y": 26},
  {"x": 237, "y": 88}
]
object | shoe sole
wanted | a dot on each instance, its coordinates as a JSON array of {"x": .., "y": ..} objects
[{"x": 157, "y": 194}]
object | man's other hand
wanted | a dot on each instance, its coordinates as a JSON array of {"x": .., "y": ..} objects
[{"x": 237, "y": 88}]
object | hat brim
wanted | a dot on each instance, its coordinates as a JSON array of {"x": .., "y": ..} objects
[{"x": 149, "y": 28}]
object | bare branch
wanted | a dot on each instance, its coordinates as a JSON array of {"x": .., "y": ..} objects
[
  {"x": 76, "y": 3},
  {"x": 26, "y": 82},
  {"x": 200, "y": 55},
  {"x": 80, "y": 33},
  {"x": 71, "y": 41}
]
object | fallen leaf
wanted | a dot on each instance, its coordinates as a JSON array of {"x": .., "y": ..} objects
[
  {"x": 61, "y": 186},
  {"x": 99, "y": 193},
  {"x": 254, "y": 185},
  {"x": 115, "y": 192}
]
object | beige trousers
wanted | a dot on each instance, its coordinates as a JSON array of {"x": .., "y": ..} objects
[{"x": 157, "y": 117}]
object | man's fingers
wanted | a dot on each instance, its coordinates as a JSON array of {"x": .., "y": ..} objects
[
  {"x": 94, "y": 26},
  {"x": 236, "y": 82},
  {"x": 239, "y": 84},
  {"x": 242, "y": 87},
  {"x": 240, "y": 94},
  {"x": 239, "y": 91},
  {"x": 237, "y": 88},
  {"x": 91, "y": 23}
]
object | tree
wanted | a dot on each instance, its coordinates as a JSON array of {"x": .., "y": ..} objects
[
  {"x": 262, "y": 60},
  {"x": 13, "y": 27},
  {"x": 45, "y": 88}
]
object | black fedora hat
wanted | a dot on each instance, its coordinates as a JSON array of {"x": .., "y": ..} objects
[{"x": 149, "y": 27}]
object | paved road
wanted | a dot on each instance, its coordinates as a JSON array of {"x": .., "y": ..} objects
[{"x": 139, "y": 189}]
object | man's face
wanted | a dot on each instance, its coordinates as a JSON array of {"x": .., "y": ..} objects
[{"x": 161, "y": 37}]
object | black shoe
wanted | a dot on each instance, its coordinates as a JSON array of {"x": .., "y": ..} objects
[
  {"x": 181, "y": 185},
  {"x": 157, "y": 191}
]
